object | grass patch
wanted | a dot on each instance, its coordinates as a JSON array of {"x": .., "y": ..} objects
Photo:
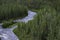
[
  {"x": 8, "y": 24},
  {"x": 45, "y": 26}
]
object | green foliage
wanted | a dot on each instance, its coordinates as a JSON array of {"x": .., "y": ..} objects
[
  {"x": 9, "y": 11},
  {"x": 37, "y": 4},
  {"x": 8, "y": 24},
  {"x": 45, "y": 26}
]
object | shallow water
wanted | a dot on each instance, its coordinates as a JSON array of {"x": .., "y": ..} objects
[
  {"x": 27, "y": 18},
  {"x": 7, "y": 34}
]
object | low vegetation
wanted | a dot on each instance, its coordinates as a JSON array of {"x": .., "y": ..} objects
[
  {"x": 8, "y": 24},
  {"x": 45, "y": 26}
]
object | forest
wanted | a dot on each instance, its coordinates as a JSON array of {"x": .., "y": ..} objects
[{"x": 44, "y": 26}]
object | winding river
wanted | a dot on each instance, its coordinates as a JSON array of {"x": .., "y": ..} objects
[{"x": 7, "y": 33}]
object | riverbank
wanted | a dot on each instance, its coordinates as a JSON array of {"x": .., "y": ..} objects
[{"x": 9, "y": 31}]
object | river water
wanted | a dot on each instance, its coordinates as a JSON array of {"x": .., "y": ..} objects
[{"x": 7, "y": 33}]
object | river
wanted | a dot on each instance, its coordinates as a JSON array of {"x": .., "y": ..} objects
[{"x": 8, "y": 34}]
